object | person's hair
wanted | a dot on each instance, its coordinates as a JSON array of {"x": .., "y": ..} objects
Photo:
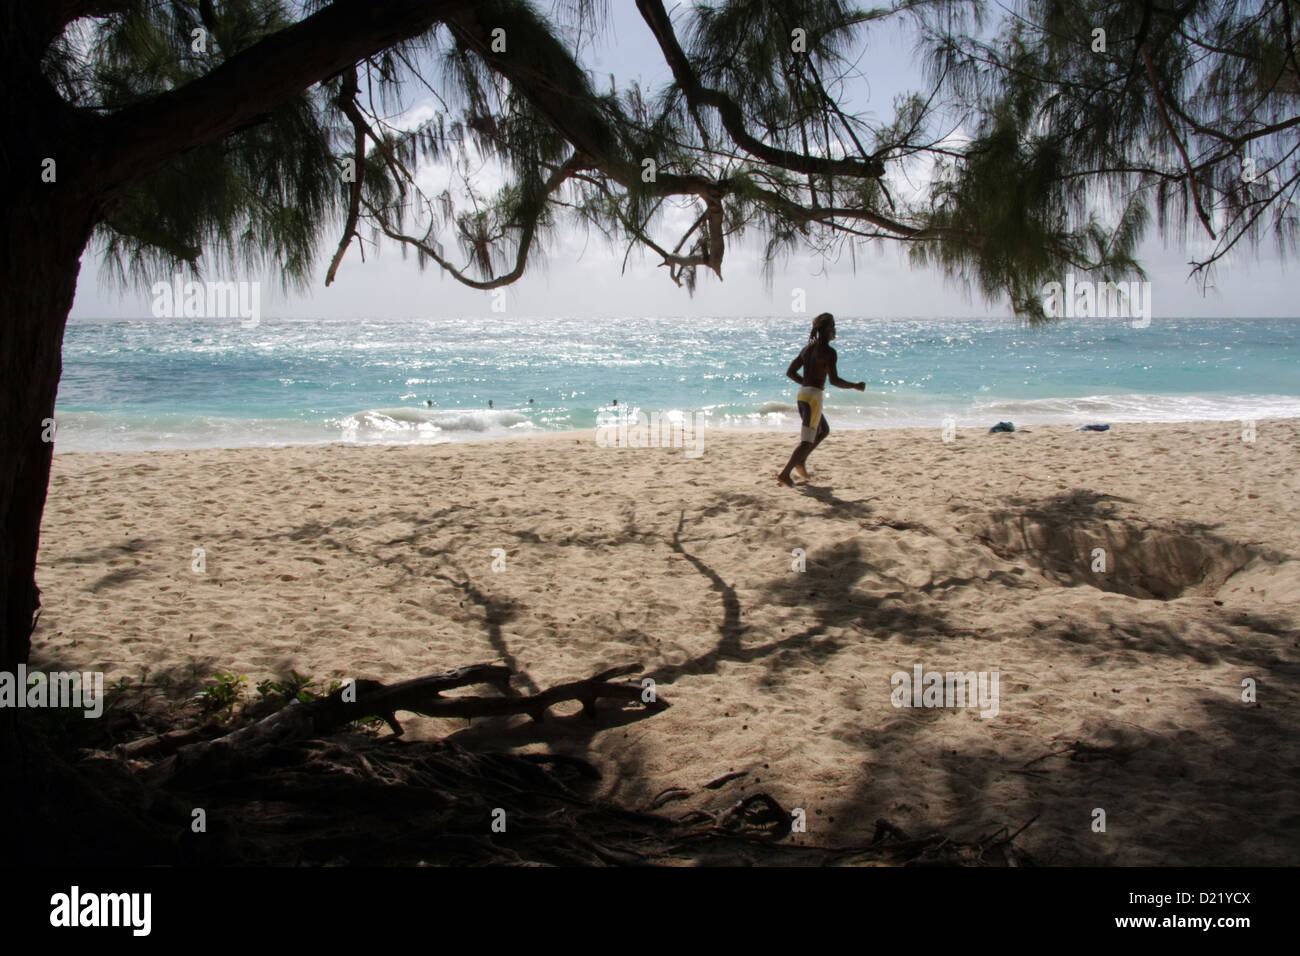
[{"x": 820, "y": 327}]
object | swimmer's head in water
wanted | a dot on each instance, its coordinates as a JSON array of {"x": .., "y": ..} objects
[{"x": 823, "y": 328}]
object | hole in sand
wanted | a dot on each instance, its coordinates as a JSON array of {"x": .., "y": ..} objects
[{"x": 1059, "y": 539}]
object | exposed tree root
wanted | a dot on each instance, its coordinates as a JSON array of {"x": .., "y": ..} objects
[
  {"x": 275, "y": 793},
  {"x": 300, "y": 721}
]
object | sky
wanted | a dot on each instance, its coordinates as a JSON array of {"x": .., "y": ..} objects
[{"x": 582, "y": 276}]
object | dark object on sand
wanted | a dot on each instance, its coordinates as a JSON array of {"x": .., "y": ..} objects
[
  {"x": 1002, "y": 427},
  {"x": 1093, "y": 428}
]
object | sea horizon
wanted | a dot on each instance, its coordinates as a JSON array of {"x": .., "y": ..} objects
[{"x": 156, "y": 384}]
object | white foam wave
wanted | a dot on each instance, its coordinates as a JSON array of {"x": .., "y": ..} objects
[
  {"x": 1140, "y": 408},
  {"x": 386, "y": 424}
]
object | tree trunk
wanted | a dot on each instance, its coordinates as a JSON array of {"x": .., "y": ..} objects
[{"x": 41, "y": 241}]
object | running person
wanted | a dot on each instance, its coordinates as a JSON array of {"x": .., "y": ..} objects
[{"x": 818, "y": 362}]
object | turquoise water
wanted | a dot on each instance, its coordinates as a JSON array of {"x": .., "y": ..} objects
[{"x": 196, "y": 383}]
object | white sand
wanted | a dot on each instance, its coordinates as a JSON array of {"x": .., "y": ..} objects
[{"x": 966, "y": 556}]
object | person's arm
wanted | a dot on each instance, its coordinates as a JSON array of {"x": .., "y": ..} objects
[
  {"x": 793, "y": 370},
  {"x": 835, "y": 375}
]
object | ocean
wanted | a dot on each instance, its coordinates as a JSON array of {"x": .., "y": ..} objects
[{"x": 191, "y": 383}]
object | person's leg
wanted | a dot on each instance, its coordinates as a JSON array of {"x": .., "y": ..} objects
[
  {"x": 797, "y": 458},
  {"x": 800, "y": 453},
  {"x": 822, "y": 431}
]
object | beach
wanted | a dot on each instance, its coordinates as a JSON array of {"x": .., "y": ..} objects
[{"x": 1119, "y": 684}]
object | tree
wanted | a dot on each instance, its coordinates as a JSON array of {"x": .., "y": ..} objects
[
  {"x": 1187, "y": 112},
  {"x": 199, "y": 135},
  {"x": 76, "y": 165}
]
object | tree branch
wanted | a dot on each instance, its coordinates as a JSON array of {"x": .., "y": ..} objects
[
  {"x": 540, "y": 69},
  {"x": 139, "y": 139},
  {"x": 733, "y": 121},
  {"x": 527, "y": 233},
  {"x": 1191, "y": 177},
  {"x": 347, "y": 103}
]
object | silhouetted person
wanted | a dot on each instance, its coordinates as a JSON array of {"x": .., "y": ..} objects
[{"x": 818, "y": 362}]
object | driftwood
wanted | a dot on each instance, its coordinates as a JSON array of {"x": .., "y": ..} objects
[
  {"x": 280, "y": 792},
  {"x": 726, "y": 778},
  {"x": 375, "y": 800},
  {"x": 669, "y": 795},
  {"x": 756, "y": 816},
  {"x": 756, "y": 828},
  {"x": 300, "y": 721},
  {"x": 420, "y": 696},
  {"x": 165, "y": 743}
]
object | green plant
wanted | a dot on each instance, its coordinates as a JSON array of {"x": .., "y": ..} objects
[
  {"x": 293, "y": 687},
  {"x": 223, "y": 693}
]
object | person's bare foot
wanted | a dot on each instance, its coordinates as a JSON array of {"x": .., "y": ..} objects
[
  {"x": 785, "y": 480},
  {"x": 801, "y": 471}
]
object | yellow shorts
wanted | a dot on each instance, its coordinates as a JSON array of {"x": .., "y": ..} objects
[{"x": 812, "y": 397}]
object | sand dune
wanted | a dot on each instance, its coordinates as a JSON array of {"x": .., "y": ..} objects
[{"x": 975, "y": 555}]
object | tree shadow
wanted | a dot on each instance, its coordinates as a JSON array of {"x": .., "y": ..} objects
[
  {"x": 1175, "y": 799},
  {"x": 496, "y": 612},
  {"x": 853, "y": 509},
  {"x": 115, "y": 578},
  {"x": 1172, "y": 797},
  {"x": 101, "y": 555},
  {"x": 1083, "y": 537},
  {"x": 833, "y": 593}
]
